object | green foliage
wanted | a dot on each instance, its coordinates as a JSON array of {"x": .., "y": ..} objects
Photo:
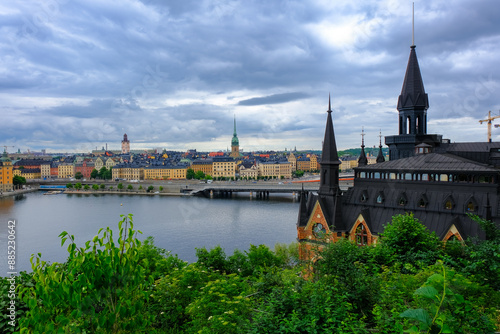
[
  {"x": 444, "y": 311},
  {"x": 78, "y": 186},
  {"x": 128, "y": 286},
  {"x": 298, "y": 173},
  {"x": 78, "y": 175},
  {"x": 150, "y": 189},
  {"x": 102, "y": 186},
  {"x": 161, "y": 188},
  {"x": 69, "y": 185},
  {"x": 120, "y": 186},
  {"x": 95, "y": 186},
  {"x": 410, "y": 242},
  {"x": 130, "y": 187},
  {"x": 23, "y": 280},
  {"x": 344, "y": 264},
  {"x": 140, "y": 187},
  {"x": 190, "y": 174},
  {"x": 101, "y": 288},
  {"x": 18, "y": 180},
  {"x": 86, "y": 187},
  {"x": 199, "y": 175},
  {"x": 94, "y": 174}
]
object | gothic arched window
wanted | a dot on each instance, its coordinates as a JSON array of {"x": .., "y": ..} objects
[{"x": 361, "y": 235}]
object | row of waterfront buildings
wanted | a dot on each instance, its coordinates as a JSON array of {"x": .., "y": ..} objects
[{"x": 171, "y": 165}]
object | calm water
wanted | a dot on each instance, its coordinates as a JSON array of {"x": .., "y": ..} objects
[{"x": 178, "y": 224}]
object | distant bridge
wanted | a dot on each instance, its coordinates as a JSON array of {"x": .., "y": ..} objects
[{"x": 260, "y": 190}]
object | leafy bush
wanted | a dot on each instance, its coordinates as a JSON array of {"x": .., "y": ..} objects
[
  {"x": 410, "y": 242},
  {"x": 101, "y": 287}
]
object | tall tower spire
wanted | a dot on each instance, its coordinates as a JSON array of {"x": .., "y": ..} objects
[
  {"x": 329, "y": 179},
  {"x": 413, "y": 101},
  {"x": 235, "y": 143},
  {"x": 362, "y": 161}
]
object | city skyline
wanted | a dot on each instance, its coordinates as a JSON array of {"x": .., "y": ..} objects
[{"x": 78, "y": 75}]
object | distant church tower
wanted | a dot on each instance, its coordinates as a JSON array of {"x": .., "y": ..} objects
[
  {"x": 125, "y": 145},
  {"x": 235, "y": 143}
]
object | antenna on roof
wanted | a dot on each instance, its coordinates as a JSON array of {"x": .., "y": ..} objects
[{"x": 413, "y": 25}]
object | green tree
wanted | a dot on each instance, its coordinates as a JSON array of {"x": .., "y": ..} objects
[
  {"x": 108, "y": 174},
  {"x": 130, "y": 187},
  {"x": 150, "y": 189},
  {"x": 86, "y": 187},
  {"x": 18, "y": 180},
  {"x": 102, "y": 186},
  {"x": 94, "y": 174},
  {"x": 78, "y": 186},
  {"x": 199, "y": 175},
  {"x": 120, "y": 186},
  {"x": 161, "y": 188},
  {"x": 78, "y": 175},
  {"x": 95, "y": 186},
  {"x": 190, "y": 174},
  {"x": 140, "y": 187},
  {"x": 102, "y": 288},
  {"x": 69, "y": 186},
  {"x": 410, "y": 242},
  {"x": 102, "y": 172}
]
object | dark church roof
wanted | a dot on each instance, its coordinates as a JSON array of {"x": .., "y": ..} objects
[{"x": 432, "y": 162}]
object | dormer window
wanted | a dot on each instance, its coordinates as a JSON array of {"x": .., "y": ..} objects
[
  {"x": 380, "y": 198},
  {"x": 449, "y": 203},
  {"x": 364, "y": 196},
  {"x": 471, "y": 205},
  {"x": 402, "y": 200},
  {"x": 422, "y": 202}
]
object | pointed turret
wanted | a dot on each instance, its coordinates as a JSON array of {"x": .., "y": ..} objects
[
  {"x": 329, "y": 184},
  {"x": 362, "y": 161},
  {"x": 380, "y": 156},
  {"x": 413, "y": 101}
]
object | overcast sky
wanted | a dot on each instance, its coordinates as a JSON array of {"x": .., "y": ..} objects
[{"x": 76, "y": 74}]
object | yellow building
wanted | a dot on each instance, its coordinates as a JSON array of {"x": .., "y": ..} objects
[
  {"x": 29, "y": 173},
  {"x": 65, "y": 170},
  {"x": 249, "y": 173},
  {"x": 6, "y": 174},
  {"x": 204, "y": 165},
  {"x": 276, "y": 169},
  {"x": 223, "y": 167},
  {"x": 165, "y": 172},
  {"x": 128, "y": 172},
  {"x": 45, "y": 170},
  {"x": 293, "y": 161}
]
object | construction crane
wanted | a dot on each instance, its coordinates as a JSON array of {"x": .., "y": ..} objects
[
  {"x": 489, "y": 119},
  {"x": 5, "y": 147}
]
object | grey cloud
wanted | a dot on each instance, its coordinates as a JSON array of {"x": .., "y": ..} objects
[{"x": 274, "y": 99}]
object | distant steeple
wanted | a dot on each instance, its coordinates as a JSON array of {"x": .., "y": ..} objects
[
  {"x": 362, "y": 161},
  {"x": 235, "y": 141},
  {"x": 329, "y": 179},
  {"x": 380, "y": 156}
]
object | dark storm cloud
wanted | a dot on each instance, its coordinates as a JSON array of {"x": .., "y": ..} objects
[
  {"x": 274, "y": 99},
  {"x": 79, "y": 73}
]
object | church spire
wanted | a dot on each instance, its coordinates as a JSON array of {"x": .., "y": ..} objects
[
  {"x": 380, "y": 156},
  {"x": 362, "y": 161},
  {"x": 234, "y": 133},
  {"x": 413, "y": 101},
  {"x": 329, "y": 159}
]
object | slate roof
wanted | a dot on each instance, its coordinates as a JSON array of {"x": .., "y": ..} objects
[{"x": 431, "y": 162}]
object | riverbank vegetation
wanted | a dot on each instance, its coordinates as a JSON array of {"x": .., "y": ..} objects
[{"x": 410, "y": 282}]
